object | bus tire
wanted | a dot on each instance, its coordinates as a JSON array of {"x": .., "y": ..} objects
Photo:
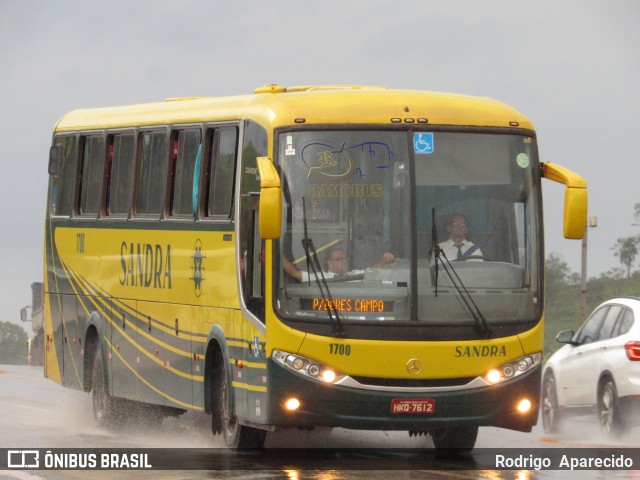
[
  {"x": 105, "y": 409},
  {"x": 225, "y": 422},
  {"x": 459, "y": 439}
]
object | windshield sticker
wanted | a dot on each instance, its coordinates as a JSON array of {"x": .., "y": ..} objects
[
  {"x": 423, "y": 143},
  {"x": 522, "y": 160},
  {"x": 290, "y": 150}
]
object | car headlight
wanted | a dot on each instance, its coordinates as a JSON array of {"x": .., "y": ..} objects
[
  {"x": 307, "y": 367},
  {"x": 514, "y": 368}
]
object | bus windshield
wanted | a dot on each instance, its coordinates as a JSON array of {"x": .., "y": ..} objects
[{"x": 428, "y": 228}]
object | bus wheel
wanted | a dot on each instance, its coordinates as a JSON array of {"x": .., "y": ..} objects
[
  {"x": 235, "y": 435},
  {"x": 104, "y": 406},
  {"x": 460, "y": 439}
]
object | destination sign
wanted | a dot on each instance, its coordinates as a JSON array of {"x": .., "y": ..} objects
[{"x": 347, "y": 305}]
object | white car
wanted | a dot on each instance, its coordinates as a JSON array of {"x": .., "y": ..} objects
[{"x": 598, "y": 370}]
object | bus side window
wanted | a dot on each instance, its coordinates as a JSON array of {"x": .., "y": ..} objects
[
  {"x": 152, "y": 173},
  {"x": 185, "y": 145},
  {"x": 120, "y": 172},
  {"x": 220, "y": 172},
  {"x": 90, "y": 175},
  {"x": 63, "y": 184}
]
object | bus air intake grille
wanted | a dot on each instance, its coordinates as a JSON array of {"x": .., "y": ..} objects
[{"x": 408, "y": 383}]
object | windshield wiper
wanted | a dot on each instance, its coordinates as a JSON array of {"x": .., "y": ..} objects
[
  {"x": 467, "y": 299},
  {"x": 313, "y": 264},
  {"x": 437, "y": 251}
]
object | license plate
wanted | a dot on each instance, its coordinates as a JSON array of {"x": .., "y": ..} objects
[{"x": 401, "y": 406}]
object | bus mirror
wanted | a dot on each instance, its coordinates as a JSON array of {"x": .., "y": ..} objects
[
  {"x": 575, "y": 199},
  {"x": 23, "y": 314},
  {"x": 54, "y": 159},
  {"x": 575, "y": 213},
  {"x": 270, "y": 215}
]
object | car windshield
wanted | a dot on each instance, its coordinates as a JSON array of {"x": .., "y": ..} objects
[{"x": 373, "y": 219}]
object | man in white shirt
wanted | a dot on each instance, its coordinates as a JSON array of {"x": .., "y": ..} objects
[{"x": 458, "y": 247}]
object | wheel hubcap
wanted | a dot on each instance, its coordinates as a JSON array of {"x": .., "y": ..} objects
[
  {"x": 548, "y": 407},
  {"x": 606, "y": 410}
]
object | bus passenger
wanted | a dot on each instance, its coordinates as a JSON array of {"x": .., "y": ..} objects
[{"x": 336, "y": 264}]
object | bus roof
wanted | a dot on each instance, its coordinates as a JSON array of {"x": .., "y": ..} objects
[{"x": 274, "y": 106}]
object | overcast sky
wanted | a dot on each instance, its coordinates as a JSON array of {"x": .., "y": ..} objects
[{"x": 572, "y": 67}]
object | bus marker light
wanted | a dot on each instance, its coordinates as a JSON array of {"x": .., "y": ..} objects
[
  {"x": 292, "y": 404},
  {"x": 524, "y": 406}
]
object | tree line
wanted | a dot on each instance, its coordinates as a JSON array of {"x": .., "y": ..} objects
[{"x": 626, "y": 249}]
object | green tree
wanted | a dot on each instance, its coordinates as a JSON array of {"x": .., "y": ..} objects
[
  {"x": 562, "y": 300},
  {"x": 627, "y": 250},
  {"x": 556, "y": 273},
  {"x": 13, "y": 344}
]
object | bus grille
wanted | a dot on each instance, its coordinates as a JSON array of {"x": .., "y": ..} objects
[{"x": 408, "y": 383}]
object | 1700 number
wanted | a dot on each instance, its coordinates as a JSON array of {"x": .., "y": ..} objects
[{"x": 339, "y": 349}]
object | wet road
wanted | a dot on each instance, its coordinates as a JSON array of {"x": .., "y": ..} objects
[{"x": 37, "y": 413}]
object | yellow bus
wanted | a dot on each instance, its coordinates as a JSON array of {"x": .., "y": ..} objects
[{"x": 279, "y": 260}]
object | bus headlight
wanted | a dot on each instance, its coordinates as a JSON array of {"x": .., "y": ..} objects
[
  {"x": 513, "y": 368},
  {"x": 307, "y": 367}
]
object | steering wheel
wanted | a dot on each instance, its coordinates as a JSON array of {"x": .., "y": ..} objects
[
  {"x": 474, "y": 257},
  {"x": 345, "y": 278}
]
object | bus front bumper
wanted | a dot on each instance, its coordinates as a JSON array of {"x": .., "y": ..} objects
[{"x": 325, "y": 405}]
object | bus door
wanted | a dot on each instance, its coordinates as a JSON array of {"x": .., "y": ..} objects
[
  {"x": 252, "y": 265},
  {"x": 254, "y": 348}
]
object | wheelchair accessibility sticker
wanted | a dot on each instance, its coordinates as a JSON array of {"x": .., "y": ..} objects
[{"x": 423, "y": 143}]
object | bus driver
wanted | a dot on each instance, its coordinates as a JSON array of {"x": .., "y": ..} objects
[{"x": 458, "y": 247}]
